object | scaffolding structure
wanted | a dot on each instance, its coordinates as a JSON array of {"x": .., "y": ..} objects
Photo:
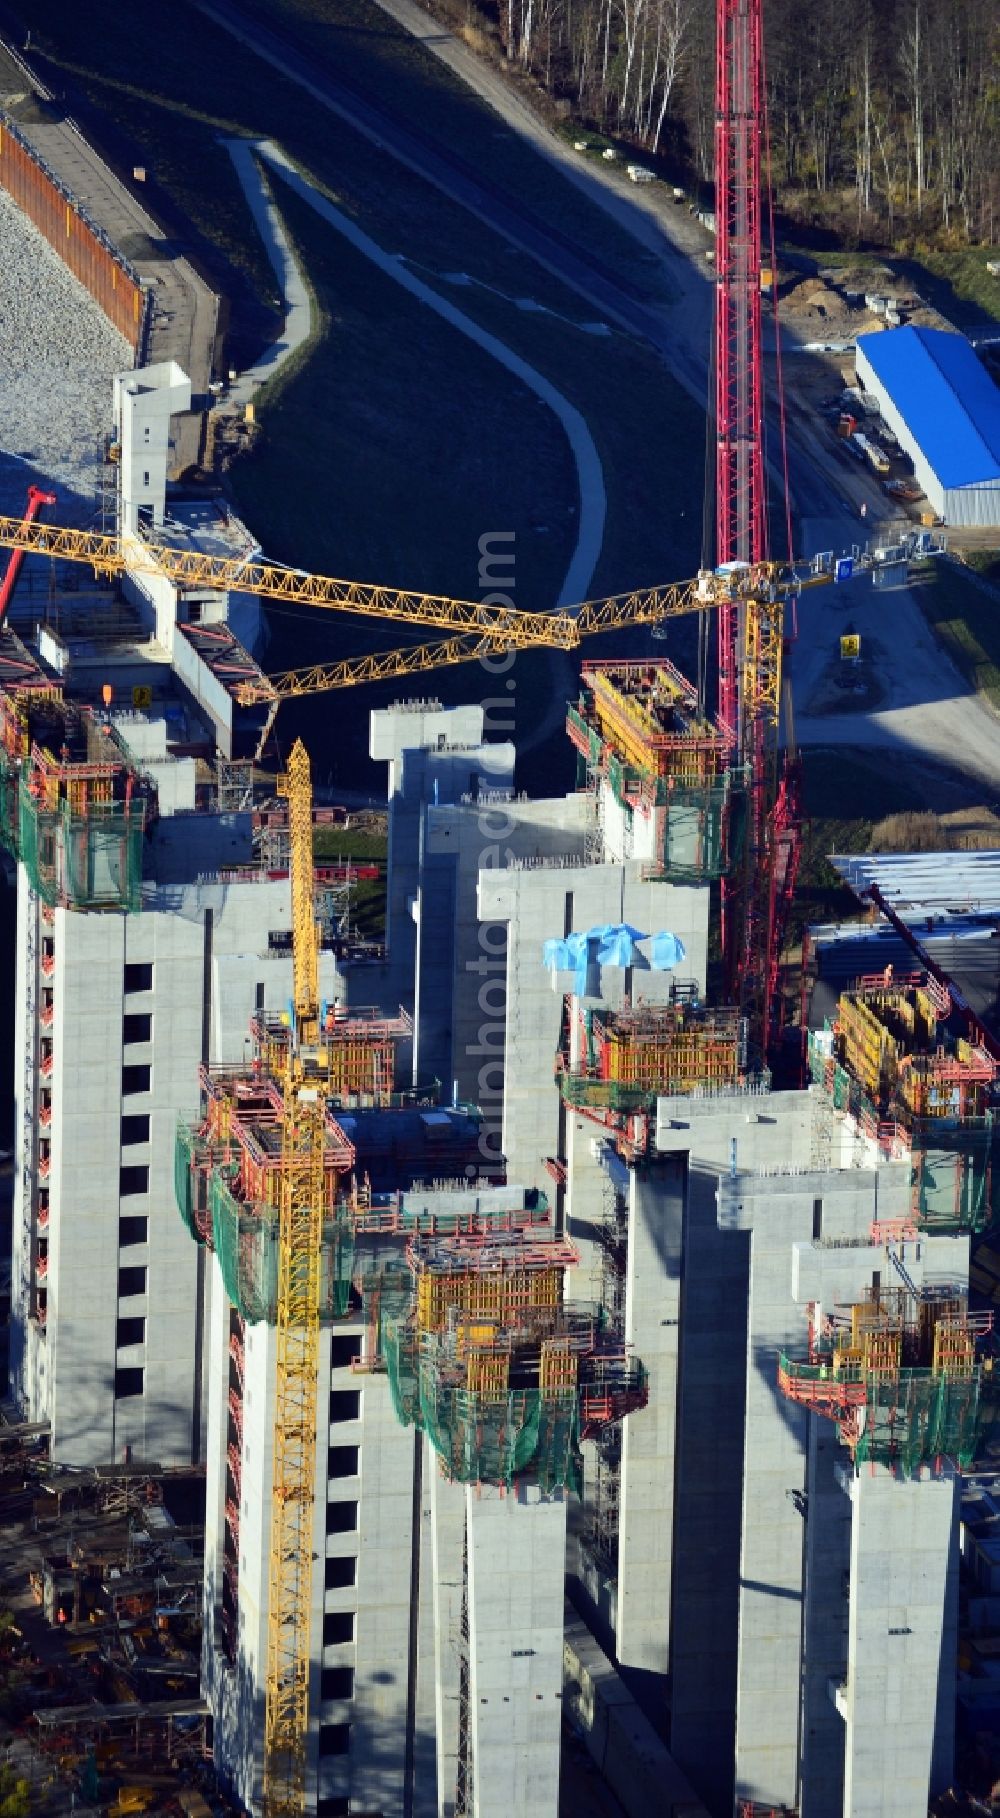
[
  {"x": 356, "y": 1054},
  {"x": 227, "y": 1177},
  {"x": 72, "y": 807},
  {"x": 613, "y": 1065},
  {"x": 501, "y": 1374},
  {"x": 889, "y": 1064},
  {"x": 639, "y": 731},
  {"x": 907, "y": 1376}
]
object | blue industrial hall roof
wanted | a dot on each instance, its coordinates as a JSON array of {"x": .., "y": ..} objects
[{"x": 946, "y": 398}]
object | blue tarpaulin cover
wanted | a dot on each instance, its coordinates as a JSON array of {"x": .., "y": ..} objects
[
  {"x": 666, "y": 952},
  {"x": 613, "y": 944}
]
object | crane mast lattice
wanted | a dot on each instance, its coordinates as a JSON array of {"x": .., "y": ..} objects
[
  {"x": 300, "y": 1232},
  {"x": 747, "y": 652}
]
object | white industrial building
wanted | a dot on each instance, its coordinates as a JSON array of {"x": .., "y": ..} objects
[{"x": 942, "y": 406}]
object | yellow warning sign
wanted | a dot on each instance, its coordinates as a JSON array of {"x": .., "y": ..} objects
[
  {"x": 850, "y": 647},
  {"x": 142, "y": 696}
]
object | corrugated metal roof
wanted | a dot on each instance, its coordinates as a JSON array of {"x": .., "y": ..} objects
[
  {"x": 926, "y": 883},
  {"x": 946, "y": 399}
]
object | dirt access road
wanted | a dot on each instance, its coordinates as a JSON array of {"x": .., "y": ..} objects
[{"x": 916, "y": 707}]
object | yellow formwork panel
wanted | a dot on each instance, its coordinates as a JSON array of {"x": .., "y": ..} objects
[
  {"x": 558, "y": 1366},
  {"x": 501, "y": 1296},
  {"x": 685, "y": 1060},
  {"x": 487, "y": 1373},
  {"x": 883, "y": 1352},
  {"x": 954, "y": 1348}
]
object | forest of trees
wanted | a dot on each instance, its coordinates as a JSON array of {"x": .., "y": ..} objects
[{"x": 884, "y": 114}]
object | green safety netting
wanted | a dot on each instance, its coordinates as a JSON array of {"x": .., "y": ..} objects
[
  {"x": 386, "y": 1288},
  {"x": 482, "y": 1438},
  {"x": 81, "y": 861},
  {"x": 909, "y": 1418},
  {"x": 245, "y": 1240},
  {"x": 951, "y": 1173},
  {"x": 702, "y": 834},
  {"x": 921, "y": 1415},
  {"x": 184, "y": 1176}
]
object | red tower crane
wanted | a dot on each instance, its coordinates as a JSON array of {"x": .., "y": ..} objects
[
  {"x": 752, "y": 907},
  {"x": 36, "y": 499}
]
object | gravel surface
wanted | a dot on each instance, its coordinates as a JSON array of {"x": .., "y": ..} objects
[{"x": 58, "y": 355}]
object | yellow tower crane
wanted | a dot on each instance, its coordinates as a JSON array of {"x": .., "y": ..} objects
[
  {"x": 475, "y": 629},
  {"x": 300, "y": 1227}
]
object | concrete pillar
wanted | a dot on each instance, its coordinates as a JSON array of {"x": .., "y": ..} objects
[
  {"x": 772, "y": 1541},
  {"x": 708, "y": 1498},
  {"x": 898, "y": 1702},
  {"x": 516, "y": 1556},
  {"x": 448, "y": 1540},
  {"x": 828, "y": 1564},
  {"x": 649, "y": 1437}
]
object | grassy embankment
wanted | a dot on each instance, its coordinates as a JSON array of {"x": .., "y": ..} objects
[
  {"x": 364, "y": 48},
  {"x": 395, "y": 445},
  {"x": 966, "y": 618}
]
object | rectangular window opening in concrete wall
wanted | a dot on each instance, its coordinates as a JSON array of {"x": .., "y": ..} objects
[
  {"x": 344, "y": 1348},
  {"x": 342, "y": 1461},
  {"x": 817, "y": 1220},
  {"x": 133, "y": 1179},
  {"x": 336, "y": 1682},
  {"x": 135, "y": 1079},
  {"x": 259, "y": 995},
  {"x": 131, "y": 1281},
  {"x": 139, "y": 976},
  {"x": 341, "y": 1517},
  {"x": 341, "y": 1573},
  {"x": 128, "y": 1382},
  {"x": 133, "y": 1230},
  {"x": 130, "y": 1331},
  {"x": 136, "y": 1027},
  {"x": 345, "y": 1404},
  {"x": 338, "y": 1627},
  {"x": 135, "y": 1130},
  {"x": 334, "y": 1738}
]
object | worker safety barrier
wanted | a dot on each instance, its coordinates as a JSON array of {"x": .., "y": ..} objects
[
  {"x": 245, "y": 1240},
  {"x": 904, "y": 1419},
  {"x": 74, "y": 860},
  {"x": 481, "y": 1438}
]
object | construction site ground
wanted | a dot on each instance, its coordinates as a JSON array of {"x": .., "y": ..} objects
[{"x": 45, "y": 1666}]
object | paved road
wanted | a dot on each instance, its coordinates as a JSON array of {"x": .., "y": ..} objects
[
  {"x": 679, "y": 328},
  {"x": 589, "y": 473}
]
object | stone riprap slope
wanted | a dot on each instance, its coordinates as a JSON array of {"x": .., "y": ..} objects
[{"x": 58, "y": 355}]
